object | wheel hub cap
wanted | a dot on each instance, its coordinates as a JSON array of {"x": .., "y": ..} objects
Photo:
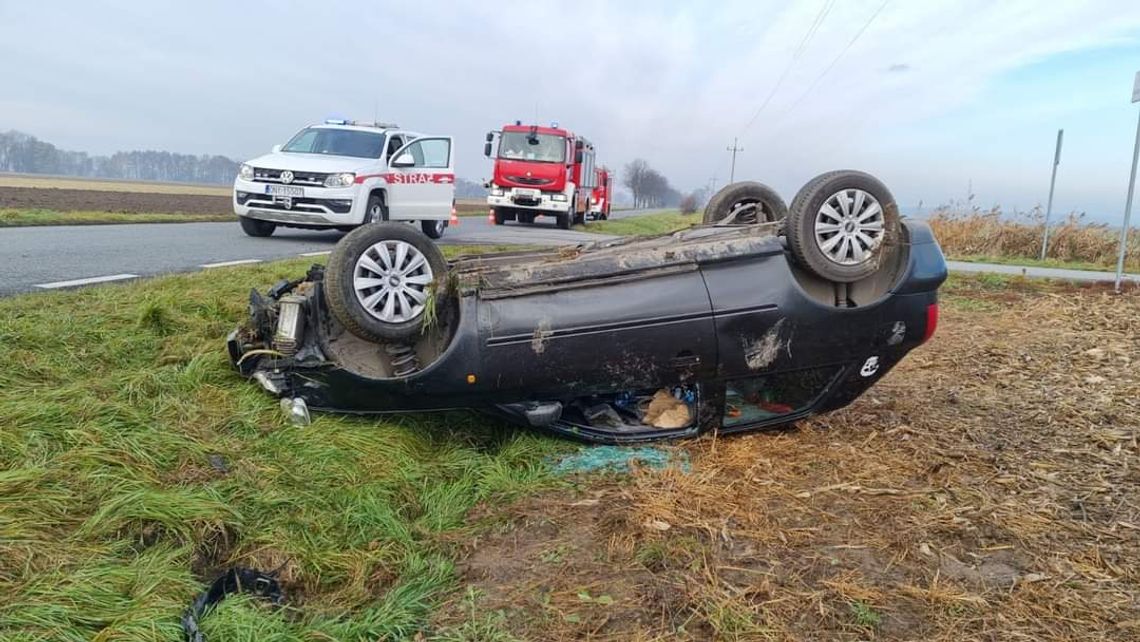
[
  {"x": 391, "y": 281},
  {"x": 849, "y": 227}
]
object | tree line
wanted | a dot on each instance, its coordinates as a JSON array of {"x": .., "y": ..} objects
[
  {"x": 649, "y": 187},
  {"x": 25, "y": 154}
]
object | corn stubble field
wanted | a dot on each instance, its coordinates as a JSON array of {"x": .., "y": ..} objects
[{"x": 985, "y": 489}]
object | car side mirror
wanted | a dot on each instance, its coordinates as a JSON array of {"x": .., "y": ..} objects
[
  {"x": 276, "y": 148},
  {"x": 490, "y": 136},
  {"x": 487, "y": 149},
  {"x": 404, "y": 160}
]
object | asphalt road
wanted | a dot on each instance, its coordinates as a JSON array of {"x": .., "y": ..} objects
[{"x": 35, "y": 258}]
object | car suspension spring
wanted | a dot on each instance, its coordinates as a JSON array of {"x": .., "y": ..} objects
[{"x": 404, "y": 360}]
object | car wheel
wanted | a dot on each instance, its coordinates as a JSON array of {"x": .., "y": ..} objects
[
  {"x": 381, "y": 279},
  {"x": 433, "y": 229},
  {"x": 843, "y": 225},
  {"x": 498, "y": 216},
  {"x": 377, "y": 211},
  {"x": 746, "y": 202},
  {"x": 255, "y": 227}
]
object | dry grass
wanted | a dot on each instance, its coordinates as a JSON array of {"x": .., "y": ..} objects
[
  {"x": 101, "y": 185},
  {"x": 1072, "y": 239},
  {"x": 987, "y": 489}
]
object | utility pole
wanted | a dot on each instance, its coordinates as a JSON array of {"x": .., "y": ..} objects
[
  {"x": 1131, "y": 186},
  {"x": 734, "y": 149},
  {"x": 1052, "y": 184}
]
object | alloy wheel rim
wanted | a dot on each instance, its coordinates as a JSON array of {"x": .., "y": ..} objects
[
  {"x": 391, "y": 279},
  {"x": 849, "y": 227}
]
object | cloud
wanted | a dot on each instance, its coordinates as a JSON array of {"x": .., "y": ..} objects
[{"x": 670, "y": 83}]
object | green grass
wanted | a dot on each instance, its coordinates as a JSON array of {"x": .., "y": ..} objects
[
  {"x": 134, "y": 464},
  {"x": 1049, "y": 263},
  {"x": 27, "y": 217},
  {"x": 642, "y": 225}
]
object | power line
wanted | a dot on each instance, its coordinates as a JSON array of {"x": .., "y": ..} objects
[
  {"x": 735, "y": 148},
  {"x": 800, "y": 48},
  {"x": 834, "y": 62}
]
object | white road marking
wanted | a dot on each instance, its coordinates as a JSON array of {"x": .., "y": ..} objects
[
  {"x": 316, "y": 253},
  {"x": 228, "y": 263},
  {"x": 87, "y": 281}
]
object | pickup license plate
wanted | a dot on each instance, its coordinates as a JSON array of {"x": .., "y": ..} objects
[
  {"x": 527, "y": 193},
  {"x": 284, "y": 190}
]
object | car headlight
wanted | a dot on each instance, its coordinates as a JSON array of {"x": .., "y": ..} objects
[
  {"x": 246, "y": 172},
  {"x": 495, "y": 191},
  {"x": 340, "y": 180},
  {"x": 558, "y": 197}
]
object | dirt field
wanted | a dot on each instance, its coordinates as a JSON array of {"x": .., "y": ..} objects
[
  {"x": 65, "y": 200},
  {"x": 103, "y": 200},
  {"x": 101, "y": 185},
  {"x": 987, "y": 489}
]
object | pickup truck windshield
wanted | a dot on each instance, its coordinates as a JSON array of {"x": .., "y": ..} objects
[
  {"x": 543, "y": 148},
  {"x": 336, "y": 142}
]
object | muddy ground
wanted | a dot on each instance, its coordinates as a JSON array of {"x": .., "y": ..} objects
[
  {"x": 68, "y": 200},
  {"x": 987, "y": 489}
]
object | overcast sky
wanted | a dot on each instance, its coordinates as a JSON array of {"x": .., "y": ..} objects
[{"x": 928, "y": 95}]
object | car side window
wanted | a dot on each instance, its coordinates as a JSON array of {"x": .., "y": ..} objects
[
  {"x": 759, "y": 399},
  {"x": 394, "y": 144},
  {"x": 432, "y": 153}
]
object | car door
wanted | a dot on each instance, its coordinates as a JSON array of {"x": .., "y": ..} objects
[{"x": 421, "y": 179}]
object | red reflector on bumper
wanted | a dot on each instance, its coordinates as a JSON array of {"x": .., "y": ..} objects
[{"x": 931, "y": 321}]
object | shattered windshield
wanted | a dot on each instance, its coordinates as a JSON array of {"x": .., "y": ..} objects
[{"x": 543, "y": 148}]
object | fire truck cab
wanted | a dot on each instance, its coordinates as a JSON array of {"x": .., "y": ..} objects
[{"x": 540, "y": 171}]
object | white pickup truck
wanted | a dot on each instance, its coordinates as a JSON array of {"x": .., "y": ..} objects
[{"x": 341, "y": 174}]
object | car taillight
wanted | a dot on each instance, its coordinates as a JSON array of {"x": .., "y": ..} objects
[{"x": 931, "y": 321}]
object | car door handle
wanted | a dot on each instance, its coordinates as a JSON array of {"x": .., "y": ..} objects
[{"x": 682, "y": 362}]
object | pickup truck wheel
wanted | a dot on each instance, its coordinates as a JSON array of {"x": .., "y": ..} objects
[
  {"x": 433, "y": 229},
  {"x": 255, "y": 227},
  {"x": 747, "y": 202},
  {"x": 377, "y": 211},
  {"x": 843, "y": 225},
  {"x": 381, "y": 279}
]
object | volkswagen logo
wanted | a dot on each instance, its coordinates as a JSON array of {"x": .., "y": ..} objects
[{"x": 286, "y": 177}]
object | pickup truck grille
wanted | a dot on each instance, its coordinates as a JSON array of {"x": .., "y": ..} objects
[
  {"x": 261, "y": 175},
  {"x": 524, "y": 180}
]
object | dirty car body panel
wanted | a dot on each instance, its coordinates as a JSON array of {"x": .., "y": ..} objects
[{"x": 720, "y": 317}]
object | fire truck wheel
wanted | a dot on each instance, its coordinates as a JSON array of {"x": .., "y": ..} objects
[
  {"x": 381, "y": 280},
  {"x": 498, "y": 216},
  {"x": 526, "y": 218},
  {"x": 747, "y": 202},
  {"x": 564, "y": 221},
  {"x": 843, "y": 226}
]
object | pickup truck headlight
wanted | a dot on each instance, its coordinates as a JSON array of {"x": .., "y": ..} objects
[
  {"x": 340, "y": 180},
  {"x": 495, "y": 191},
  {"x": 558, "y": 197},
  {"x": 246, "y": 172}
]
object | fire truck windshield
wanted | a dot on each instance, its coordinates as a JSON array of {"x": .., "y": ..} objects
[{"x": 542, "y": 148}]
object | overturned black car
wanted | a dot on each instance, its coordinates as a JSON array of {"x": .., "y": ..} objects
[{"x": 761, "y": 316}]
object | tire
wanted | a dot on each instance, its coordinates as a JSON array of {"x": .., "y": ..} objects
[
  {"x": 842, "y": 205},
  {"x": 757, "y": 203},
  {"x": 256, "y": 227},
  {"x": 498, "y": 216},
  {"x": 376, "y": 211},
  {"x": 526, "y": 218},
  {"x": 342, "y": 273},
  {"x": 433, "y": 229},
  {"x": 563, "y": 221}
]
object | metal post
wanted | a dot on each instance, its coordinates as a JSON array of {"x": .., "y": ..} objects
[
  {"x": 1052, "y": 184},
  {"x": 1128, "y": 202},
  {"x": 733, "y": 149}
]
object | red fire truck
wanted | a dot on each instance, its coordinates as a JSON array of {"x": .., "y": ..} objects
[
  {"x": 600, "y": 200},
  {"x": 540, "y": 171}
]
